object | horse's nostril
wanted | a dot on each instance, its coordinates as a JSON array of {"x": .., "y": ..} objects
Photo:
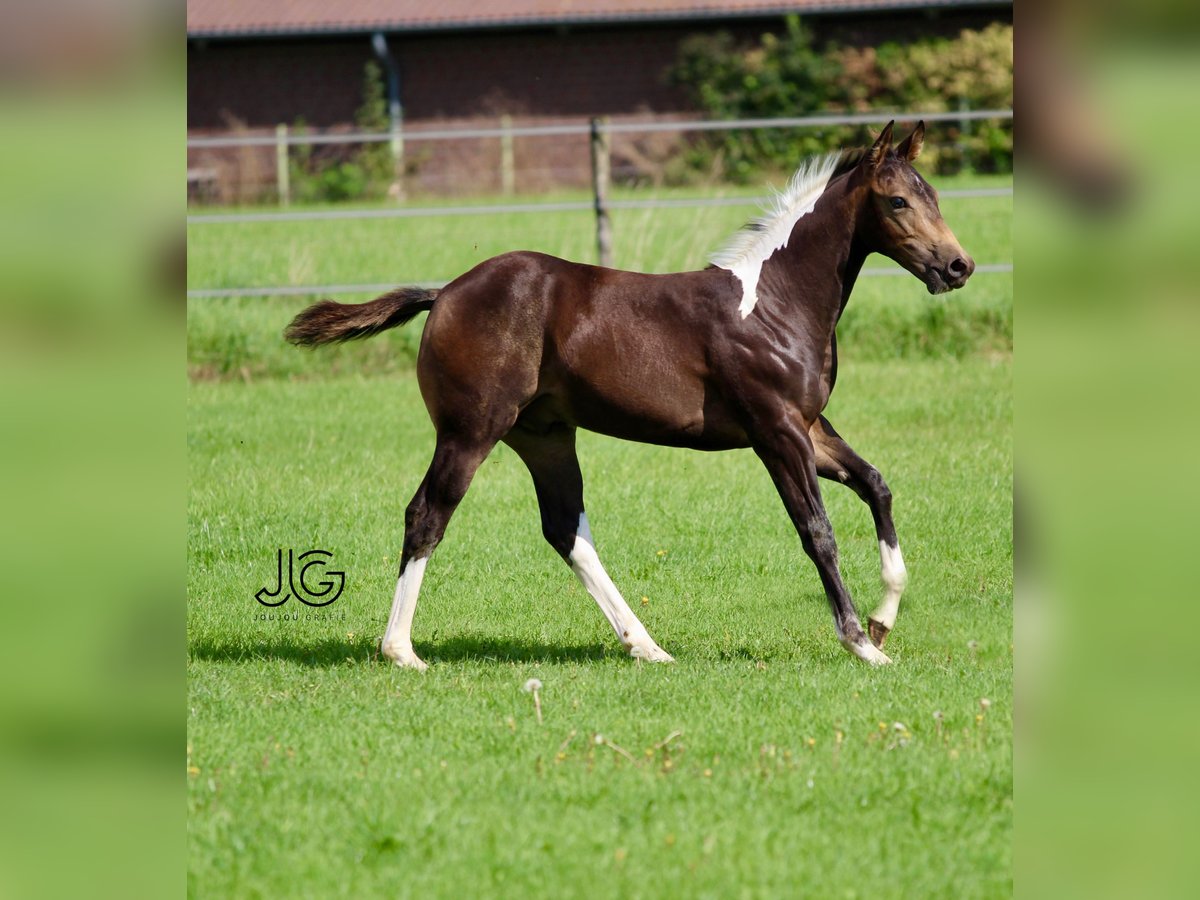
[{"x": 958, "y": 268}]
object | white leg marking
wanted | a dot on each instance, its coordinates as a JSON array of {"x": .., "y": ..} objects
[
  {"x": 585, "y": 563},
  {"x": 397, "y": 640},
  {"x": 865, "y": 650},
  {"x": 895, "y": 578}
]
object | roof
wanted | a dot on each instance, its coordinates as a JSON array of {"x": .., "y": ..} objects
[{"x": 235, "y": 18}]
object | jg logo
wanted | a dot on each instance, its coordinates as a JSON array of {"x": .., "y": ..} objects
[{"x": 305, "y": 593}]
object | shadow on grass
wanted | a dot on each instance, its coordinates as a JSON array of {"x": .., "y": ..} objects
[
  {"x": 470, "y": 647},
  {"x": 318, "y": 654},
  {"x": 465, "y": 648}
]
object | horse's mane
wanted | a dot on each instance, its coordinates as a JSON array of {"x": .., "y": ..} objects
[
  {"x": 787, "y": 206},
  {"x": 749, "y": 247}
]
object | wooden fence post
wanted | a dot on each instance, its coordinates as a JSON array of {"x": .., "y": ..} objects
[
  {"x": 600, "y": 180},
  {"x": 508, "y": 174},
  {"x": 282, "y": 176},
  {"x": 397, "y": 191}
]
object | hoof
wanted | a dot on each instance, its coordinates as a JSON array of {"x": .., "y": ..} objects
[
  {"x": 868, "y": 653},
  {"x": 878, "y": 632},
  {"x": 652, "y": 653},
  {"x": 404, "y": 658}
]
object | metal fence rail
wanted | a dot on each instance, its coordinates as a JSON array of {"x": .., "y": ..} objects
[
  {"x": 599, "y": 132},
  {"x": 583, "y": 128},
  {"x": 416, "y": 212}
]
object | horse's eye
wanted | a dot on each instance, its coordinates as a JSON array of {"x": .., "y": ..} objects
[{"x": 898, "y": 203}]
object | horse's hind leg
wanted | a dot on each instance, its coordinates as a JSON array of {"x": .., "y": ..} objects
[
  {"x": 837, "y": 462},
  {"x": 455, "y": 460},
  {"x": 550, "y": 457}
]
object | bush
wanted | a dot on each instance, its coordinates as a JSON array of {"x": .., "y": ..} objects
[
  {"x": 367, "y": 172},
  {"x": 785, "y": 75}
]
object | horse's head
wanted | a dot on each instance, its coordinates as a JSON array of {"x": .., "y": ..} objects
[{"x": 902, "y": 220}]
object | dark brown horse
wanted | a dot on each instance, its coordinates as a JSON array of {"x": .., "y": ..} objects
[{"x": 526, "y": 348}]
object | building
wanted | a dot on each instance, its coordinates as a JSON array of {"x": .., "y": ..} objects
[{"x": 254, "y": 64}]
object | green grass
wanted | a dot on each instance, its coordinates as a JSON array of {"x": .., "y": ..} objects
[
  {"x": 315, "y": 770},
  {"x": 239, "y": 337}
]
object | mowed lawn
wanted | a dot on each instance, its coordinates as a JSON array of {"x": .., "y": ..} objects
[{"x": 764, "y": 762}]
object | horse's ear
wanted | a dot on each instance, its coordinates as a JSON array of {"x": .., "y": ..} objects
[
  {"x": 910, "y": 147},
  {"x": 880, "y": 148}
]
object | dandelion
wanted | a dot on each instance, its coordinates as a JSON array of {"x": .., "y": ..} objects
[
  {"x": 532, "y": 686},
  {"x": 899, "y": 726},
  {"x": 661, "y": 553},
  {"x": 985, "y": 704},
  {"x": 645, "y": 601}
]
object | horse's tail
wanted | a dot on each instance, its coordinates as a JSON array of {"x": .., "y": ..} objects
[{"x": 327, "y": 322}]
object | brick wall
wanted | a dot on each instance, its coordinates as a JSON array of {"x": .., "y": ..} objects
[{"x": 473, "y": 78}]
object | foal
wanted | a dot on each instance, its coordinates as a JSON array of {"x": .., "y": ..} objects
[{"x": 526, "y": 348}]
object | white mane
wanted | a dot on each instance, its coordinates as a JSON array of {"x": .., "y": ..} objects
[{"x": 746, "y": 251}]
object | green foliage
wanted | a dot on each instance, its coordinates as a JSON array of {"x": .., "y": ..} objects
[
  {"x": 335, "y": 174},
  {"x": 375, "y": 160},
  {"x": 787, "y": 75}
]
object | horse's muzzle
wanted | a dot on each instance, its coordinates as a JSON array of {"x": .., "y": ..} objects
[{"x": 950, "y": 277}]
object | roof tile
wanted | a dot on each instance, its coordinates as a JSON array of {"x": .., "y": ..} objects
[{"x": 217, "y": 18}]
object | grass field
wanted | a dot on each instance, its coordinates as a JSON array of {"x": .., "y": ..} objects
[
  {"x": 239, "y": 336},
  {"x": 765, "y": 762}
]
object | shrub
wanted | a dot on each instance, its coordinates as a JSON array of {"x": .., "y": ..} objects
[
  {"x": 786, "y": 75},
  {"x": 334, "y": 174}
]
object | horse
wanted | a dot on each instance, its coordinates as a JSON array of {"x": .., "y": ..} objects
[{"x": 527, "y": 348}]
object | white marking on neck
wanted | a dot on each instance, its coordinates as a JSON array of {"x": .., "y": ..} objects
[{"x": 745, "y": 252}]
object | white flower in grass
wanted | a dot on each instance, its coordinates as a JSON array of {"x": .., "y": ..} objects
[{"x": 532, "y": 686}]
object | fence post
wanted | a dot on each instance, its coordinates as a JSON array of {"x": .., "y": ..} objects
[
  {"x": 397, "y": 190},
  {"x": 600, "y": 179},
  {"x": 282, "y": 182},
  {"x": 964, "y": 135},
  {"x": 508, "y": 174}
]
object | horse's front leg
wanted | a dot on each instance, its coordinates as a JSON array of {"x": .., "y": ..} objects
[
  {"x": 838, "y": 462},
  {"x": 787, "y": 452}
]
